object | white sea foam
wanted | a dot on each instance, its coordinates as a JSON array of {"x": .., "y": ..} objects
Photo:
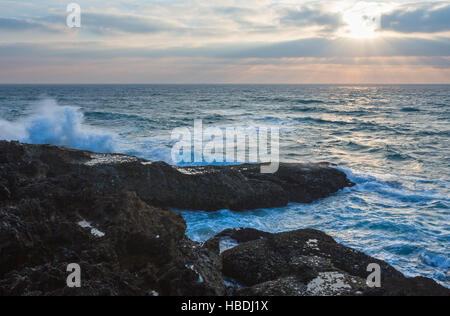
[
  {"x": 375, "y": 183},
  {"x": 57, "y": 125},
  {"x": 376, "y": 230},
  {"x": 94, "y": 231},
  {"x": 227, "y": 243}
]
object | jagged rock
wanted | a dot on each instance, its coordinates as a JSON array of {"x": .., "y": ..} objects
[
  {"x": 309, "y": 262},
  {"x": 159, "y": 184},
  {"x": 324, "y": 284},
  {"x": 58, "y": 213},
  {"x": 141, "y": 246},
  {"x": 4, "y": 193},
  {"x": 120, "y": 242},
  {"x": 241, "y": 235}
]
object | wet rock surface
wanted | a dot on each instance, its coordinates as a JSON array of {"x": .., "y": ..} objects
[
  {"x": 108, "y": 213},
  {"x": 207, "y": 188},
  {"x": 309, "y": 262}
]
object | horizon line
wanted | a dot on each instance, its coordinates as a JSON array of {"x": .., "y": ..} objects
[{"x": 235, "y": 84}]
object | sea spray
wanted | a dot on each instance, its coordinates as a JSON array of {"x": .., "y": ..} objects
[{"x": 57, "y": 125}]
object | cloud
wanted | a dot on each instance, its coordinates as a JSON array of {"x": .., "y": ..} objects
[
  {"x": 98, "y": 23},
  {"x": 312, "y": 16},
  {"x": 421, "y": 18},
  {"x": 17, "y": 25},
  {"x": 324, "y": 48},
  {"x": 234, "y": 11},
  {"x": 212, "y": 20},
  {"x": 313, "y": 47},
  {"x": 229, "y": 19},
  {"x": 220, "y": 40},
  {"x": 104, "y": 23}
]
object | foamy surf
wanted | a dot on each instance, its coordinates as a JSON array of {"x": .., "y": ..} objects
[
  {"x": 57, "y": 125},
  {"x": 388, "y": 229}
]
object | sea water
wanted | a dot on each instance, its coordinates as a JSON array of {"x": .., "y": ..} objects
[{"x": 392, "y": 141}]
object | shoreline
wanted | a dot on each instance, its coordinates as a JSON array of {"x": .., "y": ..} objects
[{"x": 130, "y": 235}]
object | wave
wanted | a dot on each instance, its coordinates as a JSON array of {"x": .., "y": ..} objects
[
  {"x": 57, "y": 125},
  {"x": 435, "y": 260},
  {"x": 390, "y": 190},
  {"x": 320, "y": 120},
  {"x": 356, "y": 146},
  {"x": 410, "y": 109},
  {"x": 445, "y": 133},
  {"x": 402, "y": 249},
  {"x": 308, "y": 102},
  {"x": 305, "y": 109},
  {"x": 392, "y": 154},
  {"x": 289, "y": 100},
  {"x": 358, "y": 124},
  {"x": 108, "y": 116}
]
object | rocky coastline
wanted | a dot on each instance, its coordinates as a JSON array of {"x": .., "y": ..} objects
[{"x": 111, "y": 215}]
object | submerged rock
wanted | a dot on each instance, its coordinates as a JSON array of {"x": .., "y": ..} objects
[{"x": 309, "y": 263}]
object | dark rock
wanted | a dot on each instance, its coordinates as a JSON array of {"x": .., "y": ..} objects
[
  {"x": 36, "y": 169},
  {"x": 58, "y": 212},
  {"x": 324, "y": 284},
  {"x": 309, "y": 262},
  {"x": 5, "y": 194},
  {"x": 241, "y": 235},
  {"x": 231, "y": 237},
  {"x": 159, "y": 184},
  {"x": 143, "y": 248}
]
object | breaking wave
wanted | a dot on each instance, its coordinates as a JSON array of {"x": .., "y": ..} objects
[{"x": 57, "y": 125}]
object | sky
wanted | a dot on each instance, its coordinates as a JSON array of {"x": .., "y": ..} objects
[{"x": 226, "y": 41}]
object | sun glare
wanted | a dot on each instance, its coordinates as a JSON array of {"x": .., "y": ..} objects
[{"x": 361, "y": 21}]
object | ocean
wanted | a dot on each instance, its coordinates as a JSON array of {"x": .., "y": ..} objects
[{"x": 392, "y": 141}]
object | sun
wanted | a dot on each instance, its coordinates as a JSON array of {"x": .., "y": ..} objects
[
  {"x": 361, "y": 22},
  {"x": 358, "y": 26}
]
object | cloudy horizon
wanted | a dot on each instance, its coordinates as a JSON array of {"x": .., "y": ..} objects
[{"x": 192, "y": 41}]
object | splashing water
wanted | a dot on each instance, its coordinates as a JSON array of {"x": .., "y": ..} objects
[{"x": 57, "y": 125}]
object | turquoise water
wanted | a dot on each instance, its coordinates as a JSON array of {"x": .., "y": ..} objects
[{"x": 393, "y": 141}]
